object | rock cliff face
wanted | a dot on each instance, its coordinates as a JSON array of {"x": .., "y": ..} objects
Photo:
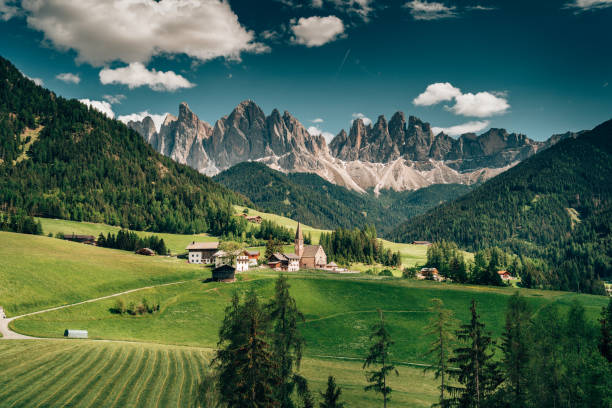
[{"x": 399, "y": 154}]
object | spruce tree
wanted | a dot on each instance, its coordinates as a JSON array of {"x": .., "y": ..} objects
[
  {"x": 440, "y": 327},
  {"x": 331, "y": 397},
  {"x": 605, "y": 339},
  {"x": 516, "y": 348},
  {"x": 477, "y": 372},
  {"x": 287, "y": 341},
  {"x": 379, "y": 355}
]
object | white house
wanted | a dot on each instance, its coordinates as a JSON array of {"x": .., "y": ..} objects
[
  {"x": 202, "y": 252},
  {"x": 242, "y": 263}
]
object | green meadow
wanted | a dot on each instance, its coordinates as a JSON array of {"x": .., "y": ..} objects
[{"x": 38, "y": 272}]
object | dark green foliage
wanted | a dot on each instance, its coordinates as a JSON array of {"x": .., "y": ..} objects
[
  {"x": 21, "y": 223},
  {"x": 528, "y": 211},
  {"x": 448, "y": 260},
  {"x": 273, "y": 246},
  {"x": 130, "y": 241},
  {"x": 87, "y": 167},
  {"x": 379, "y": 356},
  {"x": 133, "y": 308},
  {"x": 269, "y": 229},
  {"x": 476, "y": 372},
  {"x": 357, "y": 245},
  {"x": 605, "y": 339},
  {"x": 247, "y": 371},
  {"x": 331, "y": 396},
  {"x": 313, "y": 201},
  {"x": 287, "y": 341},
  {"x": 516, "y": 347}
]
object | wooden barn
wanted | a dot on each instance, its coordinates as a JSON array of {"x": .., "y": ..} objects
[{"x": 224, "y": 273}]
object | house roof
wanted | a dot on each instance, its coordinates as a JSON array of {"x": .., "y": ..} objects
[
  {"x": 291, "y": 256},
  {"x": 77, "y": 236},
  {"x": 503, "y": 272},
  {"x": 219, "y": 253},
  {"x": 224, "y": 267},
  {"x": 278, "y": 256},
  {"x": 332, "y": 264},
  {"x": 310, "y": 251},
  {"x": 251, "y": 253},
  {"x": 298, "y": 233},
  {"x": 203, "y": 245}
]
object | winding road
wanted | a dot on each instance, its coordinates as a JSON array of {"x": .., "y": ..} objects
[{"x": 8, "y": 334}]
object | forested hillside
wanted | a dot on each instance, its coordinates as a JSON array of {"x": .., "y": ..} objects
[
  {"x": 60, "y": 159},
  {"x": 312, "y": 200},
  {"x": 556, "y": 206}
]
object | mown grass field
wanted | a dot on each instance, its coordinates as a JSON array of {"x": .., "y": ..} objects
[
  {"x": 175, "y": 242},
  {"x": 78, "y": 373},
  {"x": 38, "y": 272}
]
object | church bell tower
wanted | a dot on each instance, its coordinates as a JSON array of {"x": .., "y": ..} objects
[{"x": 299, "y": 241}]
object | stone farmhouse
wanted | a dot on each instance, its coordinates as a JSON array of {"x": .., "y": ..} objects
[
  {"x": 202, "y": 252},
  {"x": 284, "y": 262}
]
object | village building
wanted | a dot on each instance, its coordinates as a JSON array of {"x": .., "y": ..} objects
[
  {"x": 310, "y": 256},
  {"x": 284, "y": 262},
  {"x": 429, "y": 274},
  {"x": 202, "y": 252},
  {"x": 242, "y": 263},
  {"x": 221, "y": 258},
  {"x": 254, "y": 219},
  {"x": 253, "y": 256},
  {"x": 504, "y": 275},
  {"x": 145, "y": 251},
  {"x": 224, "y": 273},
  {"x": 84, "y": 239},
  {"x": 421, "y": 243}
]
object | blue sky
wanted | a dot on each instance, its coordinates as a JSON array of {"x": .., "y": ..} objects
[{"x": 535, "y": 67}]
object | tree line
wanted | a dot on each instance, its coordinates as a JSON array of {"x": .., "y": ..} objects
[
  {"x": 357, "y": 245},
  {"x": 21, "y": 223},
  {"x": 130, "y": 241}
]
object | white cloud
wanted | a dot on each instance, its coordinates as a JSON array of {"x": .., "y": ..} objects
[
  {"x": 101, "y": 106},
  {"x": 157, "y": 119},
  {"x": 8, "y": 9},
  {"x": 424, "y": 10},
  {"x": 317, "y": 120},
  {"x": 436, "y": 93},
  {"x": 136, "y": 75},
  {"x": 315, "y": 131},
  {"x": 114, "y": 99},
  {"x": 583, "y": 5},
  {"x": 135, "y": 30},
  {"x": 69, "y": 78},
  {"x": 469, "y": 127},
  {"x": 366, "y": 121},
  {"x": 316, "y": 31},
  {"x": 481, "y": 104}
]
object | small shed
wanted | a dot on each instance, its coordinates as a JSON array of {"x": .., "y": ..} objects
[
  {"x": 223, "y": 273},
  {"x": 145, "y": 251},
  {"x": 75, "y": 334}
]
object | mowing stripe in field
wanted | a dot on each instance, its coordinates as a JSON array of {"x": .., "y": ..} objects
[
  {"x": 148, "y": 385},
  {"x": 93, "y": 378},
  {"x": 15, "y": 370},
  {"x": 108, "y": 388},
  {"x": 96, "y": 390},
  {"x": 67, "y": 383},
  {"x": 165, "y": 393},
  {"x": 183, "y": 374},
  {"x": 161, "y": 387},
  {"x": 33, "y": 389},
  {"x": 81, "y": 382},
  {"x": 126, "y": 377},
  {"x": 129, "y": 387}
]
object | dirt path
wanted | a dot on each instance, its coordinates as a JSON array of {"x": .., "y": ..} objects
[{"x": 8, "y": 334}]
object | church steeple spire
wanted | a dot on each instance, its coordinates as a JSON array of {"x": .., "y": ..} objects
[{"x": 299, "y": 241}]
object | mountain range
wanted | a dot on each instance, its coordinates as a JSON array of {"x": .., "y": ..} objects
[{"x": 400, "y": 154}]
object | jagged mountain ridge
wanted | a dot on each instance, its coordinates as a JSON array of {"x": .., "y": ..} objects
[{"x": 400, "y": 154}]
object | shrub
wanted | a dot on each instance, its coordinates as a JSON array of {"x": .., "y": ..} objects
[{"x": 385, "y": 272}]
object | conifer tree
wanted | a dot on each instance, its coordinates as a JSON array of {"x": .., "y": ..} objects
[
  {"x": 440, "y": 327},
  {"x": 605, "y": 340},
  {"x": 331, "y": 397},
  {"x": 516, "y": 348},
  {"x": 287, "y": 341},
  {"x": 477, "y": 372},
  {"x": 379, "y": 355}
]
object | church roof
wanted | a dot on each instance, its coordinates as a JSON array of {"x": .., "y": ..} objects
[
  {"x": 298, "y": 233},
  {"x": 310, "y": 251}
]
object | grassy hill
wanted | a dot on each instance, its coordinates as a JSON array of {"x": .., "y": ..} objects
[
  {"x": 40, "y": 272},
  {"x": 312, "y": 200},
  {"x": 556, "y": 205},
  {"x": 61, "y": 159}
]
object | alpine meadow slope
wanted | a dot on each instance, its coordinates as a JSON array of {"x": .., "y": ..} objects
[
  {"x": 61, "y": 159},
  {"x": 555, "y": 206}
]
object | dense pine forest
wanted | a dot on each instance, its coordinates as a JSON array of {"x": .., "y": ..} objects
[
  {"x": 314, "y": 201},
  {"x": 81, "y": 165},
  {"x": 357, "y": 245},
  {"x": 553, "y": 210}
]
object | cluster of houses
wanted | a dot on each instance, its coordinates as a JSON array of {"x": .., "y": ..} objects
[
  {"x": 433, "y": 274},
  {"x": 227, "y": 264},
  {"x": 255, "y": 219}
]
